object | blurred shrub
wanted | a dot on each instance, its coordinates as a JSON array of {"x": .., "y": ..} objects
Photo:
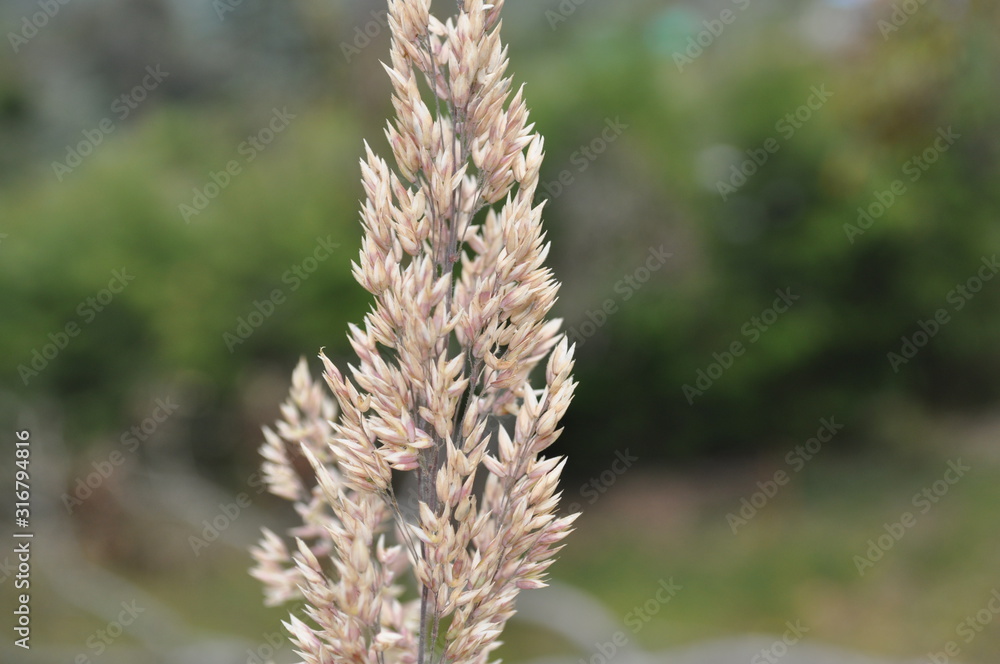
[
  {"x": 192, "y": 283},
  {"x": 785, "y": 227}
]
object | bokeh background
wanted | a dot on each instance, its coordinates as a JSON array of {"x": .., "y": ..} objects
[{"x": 814, "y": 181}]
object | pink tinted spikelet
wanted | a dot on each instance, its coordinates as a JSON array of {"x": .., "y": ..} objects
[{"x": 439, "y": 399}]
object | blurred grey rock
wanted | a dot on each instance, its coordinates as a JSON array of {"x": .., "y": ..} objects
[{"x": 583, "y": 621}]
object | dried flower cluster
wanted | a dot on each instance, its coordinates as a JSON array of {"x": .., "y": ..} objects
[{"x": 444, "y": 359}]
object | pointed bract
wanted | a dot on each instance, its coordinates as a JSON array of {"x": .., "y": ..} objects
[{"x": 458, "y": 324}]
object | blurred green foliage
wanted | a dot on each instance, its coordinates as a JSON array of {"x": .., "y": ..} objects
[
  {"x": 786, "y": 228},
  {"x": 193, "y": 283},
  {"x": 654, "y": 185}
]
